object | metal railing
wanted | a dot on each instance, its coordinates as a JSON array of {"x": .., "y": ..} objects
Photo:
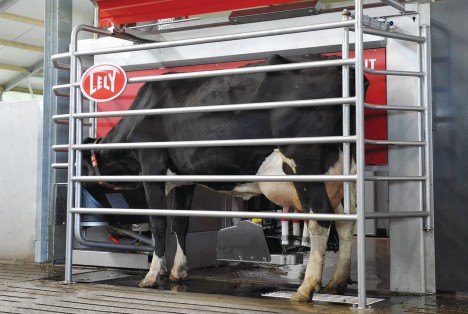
[{"x": 76, "y": 117}]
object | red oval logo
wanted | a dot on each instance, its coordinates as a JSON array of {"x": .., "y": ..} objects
[{"x": 103, "y": 82}]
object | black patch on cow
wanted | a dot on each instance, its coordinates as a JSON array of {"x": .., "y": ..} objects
[{"x": 236, "y": 89}]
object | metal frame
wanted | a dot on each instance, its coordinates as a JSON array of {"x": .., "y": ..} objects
[{"x": 76, "y": 116}]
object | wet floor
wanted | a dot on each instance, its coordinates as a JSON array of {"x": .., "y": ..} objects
[{"x": 242, "y": 288}]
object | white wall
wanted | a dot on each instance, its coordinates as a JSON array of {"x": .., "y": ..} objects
[{"x": 19, "y": 136}]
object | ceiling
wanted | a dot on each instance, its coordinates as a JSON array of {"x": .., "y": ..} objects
[{"x": 22, "y": 46}]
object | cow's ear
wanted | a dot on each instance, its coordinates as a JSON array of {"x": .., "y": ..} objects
[{"x": 88, "y": 140}]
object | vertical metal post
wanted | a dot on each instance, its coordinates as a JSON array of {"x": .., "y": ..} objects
[
  {"x": 71, "y": 158},
  {"x": 361, "y": 232},
  {"x": 57, "y": 38},
  {"x": 346, "y": 116},
  {"x": 427, "y": 94}
]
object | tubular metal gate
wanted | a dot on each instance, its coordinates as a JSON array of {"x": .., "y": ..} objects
[{"x": 356, "y": 24}]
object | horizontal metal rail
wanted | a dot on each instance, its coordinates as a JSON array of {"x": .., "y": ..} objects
[
  {"x": 60, "y": 148},
  {"x": 393, "y": 72},
  {"x": 218, "y": 178},
  {"x": 210, "y": 39},
  {"x": 59, "y": 117},
  {"x": 395, "y": 178},
  {"x": 240, "y": 71},
  {"x": 56, "y": 89},
  {"x": 216, "y": 214},
  {"x": 395, "y": 143},
  {"x": 220, "y": 143},
  {"x": 217, "y": 108},
  {"x": 377, "y": 32},
  {"x": 59, "y": 165},
  {"x": 241, "y": 214},
  {"x": 60, "y": 56},
  {"x": 79, "y": 236},
  {"x": 390, "y": 215},
  {"x": 396, "y": 108},
  {"x": 397, "y": 5}
]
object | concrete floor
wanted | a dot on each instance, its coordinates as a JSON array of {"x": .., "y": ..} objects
[{"x": 29, "y": 288}]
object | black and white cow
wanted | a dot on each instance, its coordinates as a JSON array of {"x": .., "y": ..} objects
[{"x": 262, "y": 160}]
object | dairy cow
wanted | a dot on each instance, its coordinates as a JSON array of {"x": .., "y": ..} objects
[{"x": 317, "y": 197}]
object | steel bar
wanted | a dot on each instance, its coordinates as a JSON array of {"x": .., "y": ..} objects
[
  {"x": 132, "y": 234},
  {"x": 393, "y": 215},
  {"x": 395, "y": 143},
  {"x": 204, "y": 40},
  {"x": 106, "y": 245},
  {"x": 216, "y": 214},
  {"x": 393, "y": 72},
  {"x": 376, "y": 32},
  {"x": 396, "y": 108},
  {"x": 360, "y": 152},
  {"x": 393, "y": 179},
  {"x": 60, "y": 56},
  {"x": 427, "y": 96},
  {"x": 219, "y": 108},
  {"x": 59, "y": 165},
  {"x": 217, "y": 178},
  {"x": 220, "y": 143},
  {"x": 397, "y": 5},
  {"x": 71, "y": 162},
  {"x": 60, "y": 148},
  {"x": 346, "y": 115},
  {"x": 239, "y": 71},
  {"x": 56, "y": 89}
]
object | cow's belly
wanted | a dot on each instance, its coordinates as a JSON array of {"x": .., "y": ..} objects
[{"x": 280, "y": 193}]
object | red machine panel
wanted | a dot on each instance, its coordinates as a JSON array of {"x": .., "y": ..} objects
[
  {"x": 124, "y": 11},
  {"x": 375, "y": 120}
]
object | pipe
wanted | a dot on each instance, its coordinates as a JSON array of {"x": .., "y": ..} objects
[
  {"x": 221, "y": 178},
  {"x": 215, "y": 214},
  {"x": 397, "y": 5}
]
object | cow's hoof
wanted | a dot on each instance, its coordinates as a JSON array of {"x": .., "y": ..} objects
[
  {"x": 180, "y": 277},
  {"x": 299, "y": 297},
  {"x": 334, "y": 289},
  {"x": 148, "y": 282}
]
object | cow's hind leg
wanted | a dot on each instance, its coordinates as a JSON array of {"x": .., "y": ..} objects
[
  {"x": 183, "y": 200},
  {"x": 339, "y": 281},
  {"x": 313, "y": 275},
  {"x": 345, "y": 230},
  {"x": 156, "y": 199}
]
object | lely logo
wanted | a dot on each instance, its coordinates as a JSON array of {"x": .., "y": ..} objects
[{"x": 103, "y": 82}]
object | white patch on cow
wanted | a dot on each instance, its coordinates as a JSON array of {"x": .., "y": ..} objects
[
  {"x": 280, "y": 193},
  {"x": 246, "y": 190},
  {"x": 157, "y": 268},
  {"x": 179, "y": 269},
  {"x": 172, "y": 185}
]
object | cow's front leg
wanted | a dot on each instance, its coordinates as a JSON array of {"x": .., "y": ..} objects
[
  {"x": 183, "y": 200},
  {"x": 156, "y": 198},
  {"x": 313, "y": 275},
  {"x": 157, "y": 269}
]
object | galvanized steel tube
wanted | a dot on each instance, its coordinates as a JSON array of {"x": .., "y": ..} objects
[
  {"x": 220, "y": 143},
  {"x": 427, "y": 94},
  {"x": 216, "y": 214},
  {"x": 346, "y": 115},
  {"x": 393, "y": 3},
  {"x": 360, "y": 184},
  {"x": 239, "y": 71},
  {"x": 204, "y": 40},
  {"x": 217, "y": 108},
  {"x": 217, "y": 178}
]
